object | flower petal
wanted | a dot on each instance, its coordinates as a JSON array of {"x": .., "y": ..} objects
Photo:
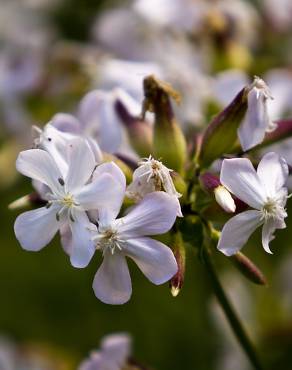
[
  {"x": 83, "y": 247},
  {"x": 252, "y": 130},
  {"x": 241, "y": 179},
  {"x": 155, "y": 214},
  {"x": 154, "y": 259},
  {"x": 117, "y": 348},
  {"x": 237, "y": 231},
  {"x": 112, "y": 282},
  {"x": 269, "y": 228},
  {"x": 35, "y": 229},
  {"x": 105, "y": 194},
  {"x": 81, "y": 164},
  {"x": 112, "y": 169},
  {"x": 66, "y": 123},
  {"x": 97, "y": 113},
  {"x": 39, "y": 165},
  {"x": 273, "y": 173}
]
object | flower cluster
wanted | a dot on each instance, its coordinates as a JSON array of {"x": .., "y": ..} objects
[
  {"x": 84, "y": 196},
  {"x": 83, "y": 188}
]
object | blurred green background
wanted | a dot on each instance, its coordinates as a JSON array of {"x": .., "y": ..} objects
[{"x": 47, "y": 303}]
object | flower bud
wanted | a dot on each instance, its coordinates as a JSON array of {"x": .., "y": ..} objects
[
  {"x": 224, "y": 199},
  {"x": 221, "y": 135},
  {"x": 28, "y": 200},
  {"x": 169, "y": 142},
  {"x": 248, "y": 268},
  {"x": 212, "y": 184},
  {"x": 179, "y": 252},
  {"x": 140, "y": 132},
  {"x": 283, "y": 131}
]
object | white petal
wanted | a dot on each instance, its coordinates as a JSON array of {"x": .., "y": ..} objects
[
  {"x": 66, "y": 238},
  {"x": 252, "y": 130},
  {"x": 154, "y": 259},
  {"x": 35, "y": 229},
  {"x": 83, "y": 247},
  {"x": 112, "y": 282},
  {"x": 155, "y": 214},
  {"x": 237, "y": 231},
  {"x": 117, "y": 347},
  {"x": 112, "y": 169},
  {"x": 95, "y": 149},
  {"x": 105, "y": 194},
  {"x": 241, "y": 179},
  {"x": 269, "y": 228},
  {"x": 39, "y": 165},
  {"x": 54, "y": 142},
  {"x": 66, "y": 123},
  {"x": 273, "y": 173},
  {"x": 97, "y": 113},
  {"x": 81, "y": 164}
]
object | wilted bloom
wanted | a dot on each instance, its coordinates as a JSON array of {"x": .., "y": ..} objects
[
  {"x": 257, "y": 121},
  {"x": 263, "y": 190},
  {"x": 128, "y": 236},
  {"x": 150, "y": 176},
  {"x": 113, "y": 354},
  {"x": 69, "y": 195}
]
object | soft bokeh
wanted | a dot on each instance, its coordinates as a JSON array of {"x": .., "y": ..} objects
[{"x": 51, "y": 54}]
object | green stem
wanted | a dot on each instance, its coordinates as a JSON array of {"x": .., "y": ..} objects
[{"x": 229, "y": 311}]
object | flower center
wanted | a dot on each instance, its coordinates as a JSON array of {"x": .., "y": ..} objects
[
  {"x": 108, "y": 239},
  {"x": 273, "y": 209},
  {"x": 68, "y": 201}
]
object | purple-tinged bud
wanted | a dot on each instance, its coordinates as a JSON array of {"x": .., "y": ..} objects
[
  {"x": 220, "y": 136},
  {"x": 283, "y": 131},
  {"x": 212, "y": 184},
  {"x": 209, "y": 181},
  {"x": 140, "y": 132},
  {"x": 248, "y": 269},
  {"x": 179, "y": 252},
  {"x": 169, "y": 142}
]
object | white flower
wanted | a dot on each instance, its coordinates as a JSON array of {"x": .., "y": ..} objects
[
  {"x": 128, "y": 236},
  {"x": 69, "y": 196},
  {"x": 256, "y": 122},
  {"x": 113, "y": 355},
  {"x": 263, "y": 190},
  {"x": 224, "y": 199},
  {"x": 150, "y": 176}
]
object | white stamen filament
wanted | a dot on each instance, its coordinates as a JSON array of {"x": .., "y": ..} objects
[
  {"x": 273, "y": 209},
  {"x": 108, "y": 239}
]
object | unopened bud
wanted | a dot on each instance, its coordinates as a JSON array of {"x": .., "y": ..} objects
[
  {"x": 224, "y": 199},
  {"x": 169, "y": 142},
  {"x": 220, "y": 136},
  {"x": 248, "y": 268},
  {"x": 28, "y": 200},
  {"x": 179, "y": 252},
  {"x": 283, "y": 131},
  {"x": 20, "y": 203},
  {"x": 140, "y": 132},
  {"x": 212, "y": 184}
]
